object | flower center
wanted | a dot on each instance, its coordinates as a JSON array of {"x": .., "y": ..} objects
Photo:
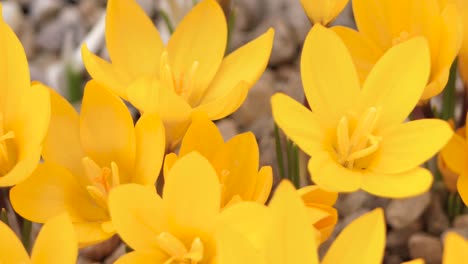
[
  {"x": 178, "y": 252},
  {"x": 102, "y": 180},
  {"x": 7, "y": 153},
  {"x": 404, "y": 36},
  {"x": 361, "y": 143},
  {"x": 183, "y": 83}
]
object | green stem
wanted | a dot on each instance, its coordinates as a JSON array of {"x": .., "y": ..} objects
[
  {"x": 4, "y": 216},
  {"x": 75, "y": 82},
  {"x": 449, "y": 97},
  {"x": 168, "y": 22},
  {"x": 289, "y": 156},
  {"x": 26, "y": 234},
  {"x": 279, "y": 152},
  {"x": 296, "y": 179},
  {"x": 231, "y": 19}
]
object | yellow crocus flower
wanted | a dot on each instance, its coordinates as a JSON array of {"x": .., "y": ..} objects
[
  {"x": 455, "y": 155},
  {"x": 24, "y": 111},
  {"x": 448, "y": 175},
  {"x": 177, "y": 227},
  {"x": 355, "y": 134},
  {"x": 236, "y": 161},
  {"x": 323, "y": 11},
  {"x": 383, "y": 24},
  {"x": 85, "y": 157},
  {"x": 281, "y": 234},
  {"x": 55, "y": 244},
  {"x": 463, "y": 54},
  {"x": 189, "y": 73}
]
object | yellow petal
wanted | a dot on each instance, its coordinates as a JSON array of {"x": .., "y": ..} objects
[
  {"x": 323, "y": 11},
  {"x": 49, "y": 191},
  {"x": 372, "y": 20},
  {"x": 143, "y": 257},
  {"x": 192, "y": 193},
  {"x": 331, "y": 83},
  {"x": 245, "y": 64},
  {"x": 62, "y": 144},
  {"x": 313, "y": 194},
  {"x": 22, "y": 169},
  {"x": 407, "y": 145},
  {"x": 264, "y": 184},
  {"x": 169, "y": 161},
  {"x": 455, "y": 248},
  {"x": 237, "y": 164},
  {"x": 365, "y": 53},
  {"x": 138, "y": 215},
  {"x": 202, "y": 136},
  {"x": 331, "y": 176},
  {"x": 150, "y": 149},
  {"x": 295, "y": 235},
  {"x": 395, "y": 88},
  {"x": 416, "y": 261},
  {"x": 462, "y": 186},
  {"x": 56, "y": 242},
  {"x": 204, "y": 29},
  {"x": 369, "y": 250},
  {"x": 290, "y": 116},
  {"x": 14, "y": 75},
  {"x": 226, "y": 104},
  {"x": 401, "y": 185},
  {"x": 106, "y": 128},
  {"x": 246, "y": 240},
  {"x": 133, "y": 42},
  {"x": 90, "y": 233},
  {"x": 455, "y": 153},
  {"x": 11, "y": 249},
  {"x": 324, "y": 219},
  {"x": 150, "y": 96},
  {"x": 106, "y": 74}
]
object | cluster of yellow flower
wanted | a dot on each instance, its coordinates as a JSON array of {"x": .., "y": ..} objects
[{"x": 99, "y": 169}]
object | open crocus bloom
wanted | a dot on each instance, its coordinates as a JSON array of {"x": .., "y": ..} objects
[
  {"x": 463, "y": 54},
  {"x": 55, "y": 244},
  {"x": 177, "y": 227},
  {"x": 281, "y": 234},
  {"x": 236, "y": 161},
  {"x": 383, "y": 24},
  {"x": 22, "y": 130},
  {"x": 85, "y": 157},
  {"x": 323, "y": 11},
  {"x": 190, "y": 73},
  {"x": 354, "y": 135},
  {"x": 455, "y": 155}
]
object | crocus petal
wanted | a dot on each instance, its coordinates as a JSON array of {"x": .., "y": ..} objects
[
  {"x": 155, "y": 256},
  {"x": 90, "y": 233},
  {"x": 22, "y": 169},
  {"x": 347, "y": 249},
  {"x": 106, "y": 74},
  {"x": 323, "y": 12},
  {"x": 205, "y": 29},
  {"x": 226, "y": 104},
  {"x": 150, "y": 149},
  {"x": 416, "y": 261},
  {"x": 133, "y": 42},
  {"x": 11, "y": 249},
  {"x": 56, "y": 242},
  {"x": 296, "y": 236},
  {"x": 138, "y": 215},
  {"x": 237, "y": 164},
  {"x": 49, "y": 191},
  {"x": 264, "y": 184},
  {"x": 169, "y": 161},
  {"x": 62, "y": 144},
  {"x": 246, "y": 240},
  {"x": 313, "y": 194},
  {"x": 462, "y": 186},
  {"x": 331, "y": 83},
  {"x": 455, "y": 153},
  {"x": 245, "y": 64},
  {"x": 407, "y": 145},
  {"x": 15, "y": 73},
  {"x": 192, "y": 193},
  {"x": 324, "y": 219},
  {"x": 106, "y": 128},
  {"x": 365, "y": 53},
  {"x": 395, "y": 88},
  {"x": 401, "y": 185},
  {"x": 290, "y": 117},
  {"x": 150, "y": 96},
  {"x": 331, "y": 176},
  {"x": 455, "y": 248},
  {"x": 202, "y": 136}
]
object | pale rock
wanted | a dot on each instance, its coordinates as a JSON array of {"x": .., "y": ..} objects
[
  {"x": 402, "y": 212},
  {"x": 13, "y": 15},
  {"x": 248, "y": 14},
  {"x": 424, "y": 246},
  {"x": 42, "y": 10},
  {"x": 228, "y": 128},
  {"x": 435, "y": 217}
]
